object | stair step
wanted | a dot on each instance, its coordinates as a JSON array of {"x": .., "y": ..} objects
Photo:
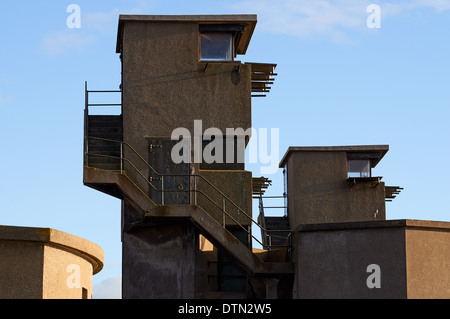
[
  {"x": 276, "y": 223},
  {"x": 104, "y": 150},
  {"x": 106, "y": 166},
  {"x": 105, "y": 129},
  {"x": 105, "y": 122},
  {"x": 112, "y": 143},
  {"x": 104, "y": 126},
  {"x": 275, "y": 227},
  {"x": 104, "y": 156},
  {"x": 110, "y": 136}
]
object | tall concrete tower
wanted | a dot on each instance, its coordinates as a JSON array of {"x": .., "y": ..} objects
[{"x": 174, "y": 155}]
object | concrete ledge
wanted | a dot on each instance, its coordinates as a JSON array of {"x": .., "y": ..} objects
[
  {"x": 75, "y": 245},
  {"x": 406, "y": 223}
]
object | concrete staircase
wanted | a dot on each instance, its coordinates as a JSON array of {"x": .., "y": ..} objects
[
  {"x": 120, "y": 186},
  {"x": 104, "y": 171},
  {"x": 277, "y": 229}
]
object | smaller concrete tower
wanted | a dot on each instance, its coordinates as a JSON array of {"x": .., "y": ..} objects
[{"x": 335, "y": 184}]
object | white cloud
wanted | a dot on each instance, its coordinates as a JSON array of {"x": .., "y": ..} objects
[
  {"x": 438, "y": 5},
  {"x": 328, "y": 18},
  {"x": 303, "y": 18},
  {"x": 106, "y": 22},
  {"x": 390, "y": 9},
  {"x": 77, "y": 39},
  {"x": 60, "y": 42},
  {"x": 110, "y": 288},
  {"x": 92, "y": 25}
]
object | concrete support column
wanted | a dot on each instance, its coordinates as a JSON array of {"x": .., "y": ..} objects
[
  {"x": 159, "y": 262},
  {"x": 271, "y": 287}
]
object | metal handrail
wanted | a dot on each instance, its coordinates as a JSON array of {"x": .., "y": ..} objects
[
  {"x": 162, "y": 176},
  {"x": 270, "y": 236},
  {"x": 166, "y": 175},
  {"x": 86, "y": 94}
]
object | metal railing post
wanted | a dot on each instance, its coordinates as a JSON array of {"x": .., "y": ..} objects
[
  {"x": 121, "y": 158},
  {"x": 86, "y": 114},
  {"x": 223, "y": 212},
  {"x": 162, "y": 190},
  {"x": 195, "y": 190}
]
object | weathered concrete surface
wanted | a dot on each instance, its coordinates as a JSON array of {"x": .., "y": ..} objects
[
  {"x": 162, "y": 259},
  {"x": 332, "y": 259},
  {"x": 118, "y": 185},
  {"x": 165, "y": 87},
  {"x": 428, "y": 259},
  {"x": 318, "y": 190},
  {"x": 159, "y": 262},
  {"x": 35, "y": 263},
  {"x": 235, "y": 185},
  {"x": 221, "y": 238}
]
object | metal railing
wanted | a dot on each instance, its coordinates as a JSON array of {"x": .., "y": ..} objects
[
  {"x": 268, "y": 235},
  {"x": 261, "y": 205},
  {"x": 225, "y": 206},
  {"x": 86, "y": 99}
]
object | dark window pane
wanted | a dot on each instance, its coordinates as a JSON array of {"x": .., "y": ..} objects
[
  {"x": 359, "y": 168},
  {"x": 216, "y": 46}
]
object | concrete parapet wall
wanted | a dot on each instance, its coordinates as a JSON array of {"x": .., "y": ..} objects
[{"x": 334, "y": 260}]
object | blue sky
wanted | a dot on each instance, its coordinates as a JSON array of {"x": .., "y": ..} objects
[{"x": 338, "y": 83}]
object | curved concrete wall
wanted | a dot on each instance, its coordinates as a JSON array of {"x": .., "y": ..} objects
[{"x": 46, "y": 263}]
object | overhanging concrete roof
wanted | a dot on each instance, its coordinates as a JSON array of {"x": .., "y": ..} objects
[
  {"x": 248, "y": 20},
  {"x": 381, "y": 149}
]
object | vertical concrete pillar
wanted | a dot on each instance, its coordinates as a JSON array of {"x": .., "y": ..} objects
[
  {"x": 159, "y": 262},
  {"x": 271, "y": 287}
]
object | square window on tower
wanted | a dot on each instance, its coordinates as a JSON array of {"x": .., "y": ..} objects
[
  {"x": 216, "y": 46},
  {"x": 359, "y": 168}
]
